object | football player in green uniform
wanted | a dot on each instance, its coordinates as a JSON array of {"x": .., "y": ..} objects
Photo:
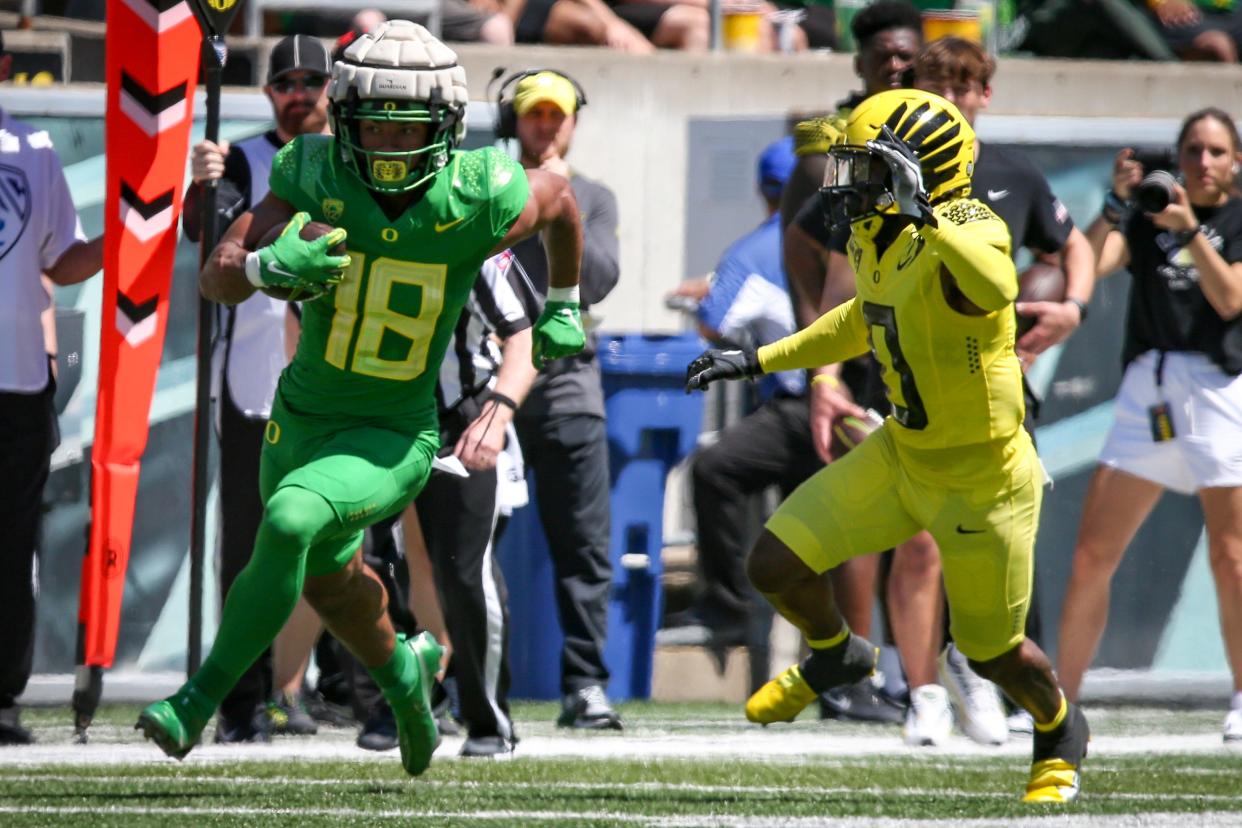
[{"x": 353, "y": 429}]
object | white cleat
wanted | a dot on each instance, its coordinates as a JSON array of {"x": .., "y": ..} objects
[
  {"x": 928, "y": 719},
  {"x": 976, "y": 700},
  {"x": 1233, "y": 726},
  {"x": 1021, "y": 722}
]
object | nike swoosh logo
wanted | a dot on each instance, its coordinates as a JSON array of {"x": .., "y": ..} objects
[
  {"x": 962, "y": 531},
  {"x": 997, "y": 195},
  {"x": 440, "y": 228}
]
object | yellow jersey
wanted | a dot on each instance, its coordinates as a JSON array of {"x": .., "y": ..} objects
[{"x": 953, "y": 378}]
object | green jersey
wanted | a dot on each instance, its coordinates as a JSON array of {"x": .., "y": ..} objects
[{"x": 371, "y": 348}]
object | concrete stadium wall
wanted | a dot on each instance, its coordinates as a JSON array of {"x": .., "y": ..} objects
[{"x": 633, "y": 135}]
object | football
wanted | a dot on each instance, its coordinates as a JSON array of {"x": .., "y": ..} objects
[
  {"x": 849, "y": 431},
  {"x": 311, "y": 231},
  {"x": 1041, "y": 282}
]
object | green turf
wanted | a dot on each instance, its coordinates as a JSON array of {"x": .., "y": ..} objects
[{"x": 559, "y": 791}]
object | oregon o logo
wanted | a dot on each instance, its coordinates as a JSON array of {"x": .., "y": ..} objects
[
  {"x": 389, "y": 106},
  {"x": 388, "y": 234},
  {"x": 271, "y": 432},
  {"x": 221, "y": 5}
]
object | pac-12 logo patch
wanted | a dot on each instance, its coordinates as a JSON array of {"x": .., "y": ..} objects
[
  {"x": 14, "y": 206},
  {"x": 333, "y": 209}
]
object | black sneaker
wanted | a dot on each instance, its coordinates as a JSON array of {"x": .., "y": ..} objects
[
  {"x": 588, "y": 709},
  {"x": 487, "y": 747},
  {"x": 11, "y": 730},
  {"x": 1057, "y": 759},
  {"x": 862, "y": 701},
  {"x": 241, "y": 731},
  {"x": 380, "y": 730},
  {"x": 286, "y": 714},
  {"x": 327, "y": 712},
  {"x": 443, "y": 705}
]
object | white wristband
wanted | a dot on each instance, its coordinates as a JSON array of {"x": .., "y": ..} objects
[
  {"x": 563, "y": 294},
  {"x": 253, "y": 268}
]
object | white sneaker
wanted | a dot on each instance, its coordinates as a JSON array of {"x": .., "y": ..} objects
[
  {"x": 928, "y": 719},
  {"x": 1021, "y": 721},
  {"x": 976, "y": 700},
  {"x": 1233, "y": 725}
]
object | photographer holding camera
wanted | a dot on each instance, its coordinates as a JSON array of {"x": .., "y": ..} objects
[{"x": 1178, "y": 413}]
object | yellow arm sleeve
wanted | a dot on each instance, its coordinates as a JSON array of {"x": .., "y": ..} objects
[
  {"x": 976, "y": 252},
  {"x": 838, "y": 335}
]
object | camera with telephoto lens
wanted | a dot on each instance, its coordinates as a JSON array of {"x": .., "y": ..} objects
[{"x": 1155, "y": 191}]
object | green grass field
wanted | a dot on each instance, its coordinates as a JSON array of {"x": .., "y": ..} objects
[{"x": 674, "y": 765}]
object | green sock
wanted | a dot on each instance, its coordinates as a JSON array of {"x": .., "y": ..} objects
[
  {"x": 397, "y": 674},
  {"x": 264, "y": 594}
]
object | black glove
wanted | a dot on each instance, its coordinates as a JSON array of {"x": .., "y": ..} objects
[{"x": 714, "y": 364}]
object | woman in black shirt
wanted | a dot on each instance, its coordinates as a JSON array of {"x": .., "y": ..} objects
[{"x": 1178, "y": 413}]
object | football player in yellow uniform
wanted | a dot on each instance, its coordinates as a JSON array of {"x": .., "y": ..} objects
[{"x": 934, "y": 289}]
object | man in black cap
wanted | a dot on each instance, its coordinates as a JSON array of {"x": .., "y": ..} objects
[{"x": 249, "y": 356}]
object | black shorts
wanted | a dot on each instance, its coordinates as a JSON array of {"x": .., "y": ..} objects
[
  {"x": 642, "y": 16},
  {"x": 533, "y": 21}
]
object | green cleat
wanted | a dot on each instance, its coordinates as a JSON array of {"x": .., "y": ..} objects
[
  {"x": 176, "y": 723},
  {"x": 417, "y": 733}
]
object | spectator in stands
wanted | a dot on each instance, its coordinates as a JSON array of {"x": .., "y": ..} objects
[
  {"x": 961, "y": 71},
  {"x": 1100, "y": 29},
  {"x": 575, "y": 23},
  {"x": 669, "y": 24},
  {"x": 1178, "y": 413},
  {"x": 251, "y": 353},
  {"x": 39, "y": 234},
  {"x": 561, "y": 424},
  {"x": 744, "y": 301},
  {"x": 888, "y": 34},
  {"x": 461, "y": 20},
  {"x": 481, "y": 386},
  {"x": 1203, "y": 30}
]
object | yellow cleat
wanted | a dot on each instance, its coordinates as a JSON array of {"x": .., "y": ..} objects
[
  {"x": 1053, "y": 780},
  {"x": 1057, "y": 758},
  {"x": 781, "y": 699}
]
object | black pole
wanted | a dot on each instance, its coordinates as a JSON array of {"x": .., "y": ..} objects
[{"x": 213, "y": 63}]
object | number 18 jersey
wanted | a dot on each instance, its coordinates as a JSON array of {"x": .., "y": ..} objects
[{"x": 371, "y": 347}]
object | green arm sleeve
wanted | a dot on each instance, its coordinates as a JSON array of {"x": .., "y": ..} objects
[
  {"x": 838, "y": 335},
  {"x": 977, "y": 256}
]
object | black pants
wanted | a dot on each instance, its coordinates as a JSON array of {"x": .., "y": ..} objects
[
  {"x": 569, "y": 457},
  {"x": 27, "y": 438},
  {"x": 241, "y": 511},
  {"x": 458, "y": 517},
  {"x": 771, "y": 446}
]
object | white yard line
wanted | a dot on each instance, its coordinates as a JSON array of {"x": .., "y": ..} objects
[
  {"x": 286, "y": 782},
  {"x": 509, "y": 817}
]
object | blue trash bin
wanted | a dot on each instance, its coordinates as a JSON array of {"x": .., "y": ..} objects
[{"x": 652, "y": 425}]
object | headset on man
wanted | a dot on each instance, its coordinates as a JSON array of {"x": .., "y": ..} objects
[{"x": 506, "y": 117}]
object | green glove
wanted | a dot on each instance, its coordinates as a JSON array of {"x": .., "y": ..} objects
[
  {"x": 558, "y": 331},
  {"x": 293, "y": 262}
]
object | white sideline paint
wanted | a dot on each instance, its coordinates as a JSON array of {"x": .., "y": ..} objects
[{"x": 116, "y": 746}]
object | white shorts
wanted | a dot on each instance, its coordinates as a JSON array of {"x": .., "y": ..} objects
[{"x": 1206, "y": 408}]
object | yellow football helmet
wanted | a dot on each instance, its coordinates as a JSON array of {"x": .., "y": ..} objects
[{"x": 858, "y": 181}]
